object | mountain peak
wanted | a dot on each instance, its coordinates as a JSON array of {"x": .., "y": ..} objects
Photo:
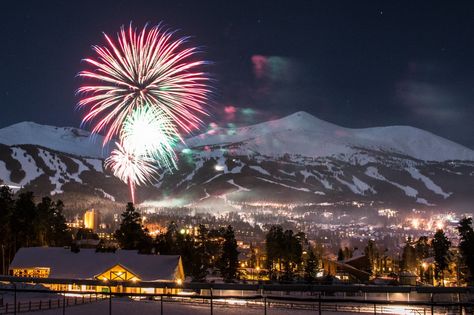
[{"x": 304, "y": 134}]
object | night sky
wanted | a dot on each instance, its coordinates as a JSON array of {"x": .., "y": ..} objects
[{"x": 353, "y": 63}]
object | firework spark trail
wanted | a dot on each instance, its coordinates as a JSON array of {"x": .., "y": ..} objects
[
  {"x": 130, "y": 168},
  {"x": 149, "y": 67},
  {"x": 150, "y": 133}
]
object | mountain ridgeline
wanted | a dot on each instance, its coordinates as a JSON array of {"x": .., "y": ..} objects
[{"x": 297, "y": 159}]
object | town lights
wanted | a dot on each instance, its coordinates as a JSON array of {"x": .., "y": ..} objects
[{"x": 439, "y": 225}]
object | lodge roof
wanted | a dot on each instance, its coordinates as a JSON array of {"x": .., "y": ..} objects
[{"x": 87, "y": 263}]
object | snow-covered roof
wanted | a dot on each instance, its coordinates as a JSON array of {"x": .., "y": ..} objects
[{"x": 87, "y": 264}]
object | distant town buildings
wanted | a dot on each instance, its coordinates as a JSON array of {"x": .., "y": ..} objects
[{"x": 91, "y": 220}]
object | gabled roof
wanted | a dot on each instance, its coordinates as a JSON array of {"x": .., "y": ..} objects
[{"x": 87, "y": 263}]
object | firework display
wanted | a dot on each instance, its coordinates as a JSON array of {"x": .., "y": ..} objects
[
  {"x": 145, "y": 88},
  {"x": 151, "y": 133},
  {"x": 130, "y": 168},
  {"x": 148, "y": 67}
]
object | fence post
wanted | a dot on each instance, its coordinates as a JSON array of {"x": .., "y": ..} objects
[
  {"x": 110, "y": 300},
  {"x": 212, "y": 307},
  {"x": 64, "y": 303},
  {"x": 161, "y": 309},
  {"x": 432, "y": 305},
  {"x": 320, "y": 311},
  {"x": 265, "y": 305},
  {"x": 14, "y": 298}
]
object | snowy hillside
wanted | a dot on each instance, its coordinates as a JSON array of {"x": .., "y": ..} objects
[
  {"x": 63, "y": 139},
  {"x": 304, "y": 134},
  {"x": 297, "y": 159}
]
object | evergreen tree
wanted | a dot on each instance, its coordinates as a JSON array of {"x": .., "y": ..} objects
[
  {"x": 200, "y": 257},
  {"x": 169, "y": 242},
  {"x": 284, "y": 249},
  {"x": 229, "y": 260},
  {"x": 59, "y": 234},
  {"x": 6, "y": 211},
  {"x": 371, "y": 252},
  {"x": 466, "y": 245},
  {"x": 310, "y": 267},
  {"x": 273, "y": 245},
  {"x": 23, "y": 221},
  {"x": 340, "y": 255},
  {"x": 131, "y": 234},
  {"x": 409, "y": 257},
  {"x": 441, "y": 246},
  {"x": 422, "y": 248}
]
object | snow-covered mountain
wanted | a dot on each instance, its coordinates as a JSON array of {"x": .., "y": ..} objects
[
  {"x": 297, "y": 159},
  {"x": 63, "y": 139},
  {"x": 304, "y": 134}
]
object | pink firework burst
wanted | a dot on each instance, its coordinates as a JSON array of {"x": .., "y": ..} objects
[
  {"x": 130, "y": 168},
  {"x": 146, "y": 67}
]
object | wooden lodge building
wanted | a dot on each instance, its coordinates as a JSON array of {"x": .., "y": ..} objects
[{"x": 87, "y": 264}]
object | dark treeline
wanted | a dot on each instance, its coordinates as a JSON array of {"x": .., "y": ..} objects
[
  {"x": 23, "y": 223},
  {"x": 284, "y": 253},
  {"x": 201, "y": 252},
  {"x": 207, "y": 250}
]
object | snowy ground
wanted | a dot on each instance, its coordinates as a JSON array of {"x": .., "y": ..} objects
[{"x": 130, "y": 307}]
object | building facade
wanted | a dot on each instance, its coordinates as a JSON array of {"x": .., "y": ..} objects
[{"x": 87, "y": 264}]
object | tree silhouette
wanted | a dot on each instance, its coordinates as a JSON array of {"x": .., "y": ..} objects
[
  {"x": 229, "y": 260},
  {"x": 131, "y": 234},
  {"x": 466, "y": 245},
  {"x": 441, "y": 246},
  {"x": 310, "y": 267}
]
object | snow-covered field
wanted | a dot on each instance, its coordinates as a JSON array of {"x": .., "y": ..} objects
[{"x": 129, "y": 307}]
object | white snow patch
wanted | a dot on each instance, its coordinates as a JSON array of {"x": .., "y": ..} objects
[
  {"x": 362, "y": 186},
  {"x": 287, "y": 173},
  {"x": 415, "y": 173},
  {"x": 259, "y": 169},
  {"x": 424, "y": 201},
  {"x": 240, "y": 188},
  {"x": 106, "y": 195},
  {"x": 4, "y": 173},
  {"x": 307, "y": 174},
  {"x": 206, "y": 196},
  {"x": 56, "y": 165},
  {"x": 211, "y": 179},
  {"x": 357, "y": 186},
  {"x": 287, "y": 186},
  {"x": 374, "y": 173},
  {"x": 28, "y": 165}
]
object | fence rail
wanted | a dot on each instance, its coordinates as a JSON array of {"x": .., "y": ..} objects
[
  {"x": 47, "y": 304},
  {"x": 316, "y": 298}
]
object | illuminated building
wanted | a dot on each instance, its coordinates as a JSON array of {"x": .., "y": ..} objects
[
  {"x": 87, "y": 264},
  {"x": 91, "y": 219}
]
